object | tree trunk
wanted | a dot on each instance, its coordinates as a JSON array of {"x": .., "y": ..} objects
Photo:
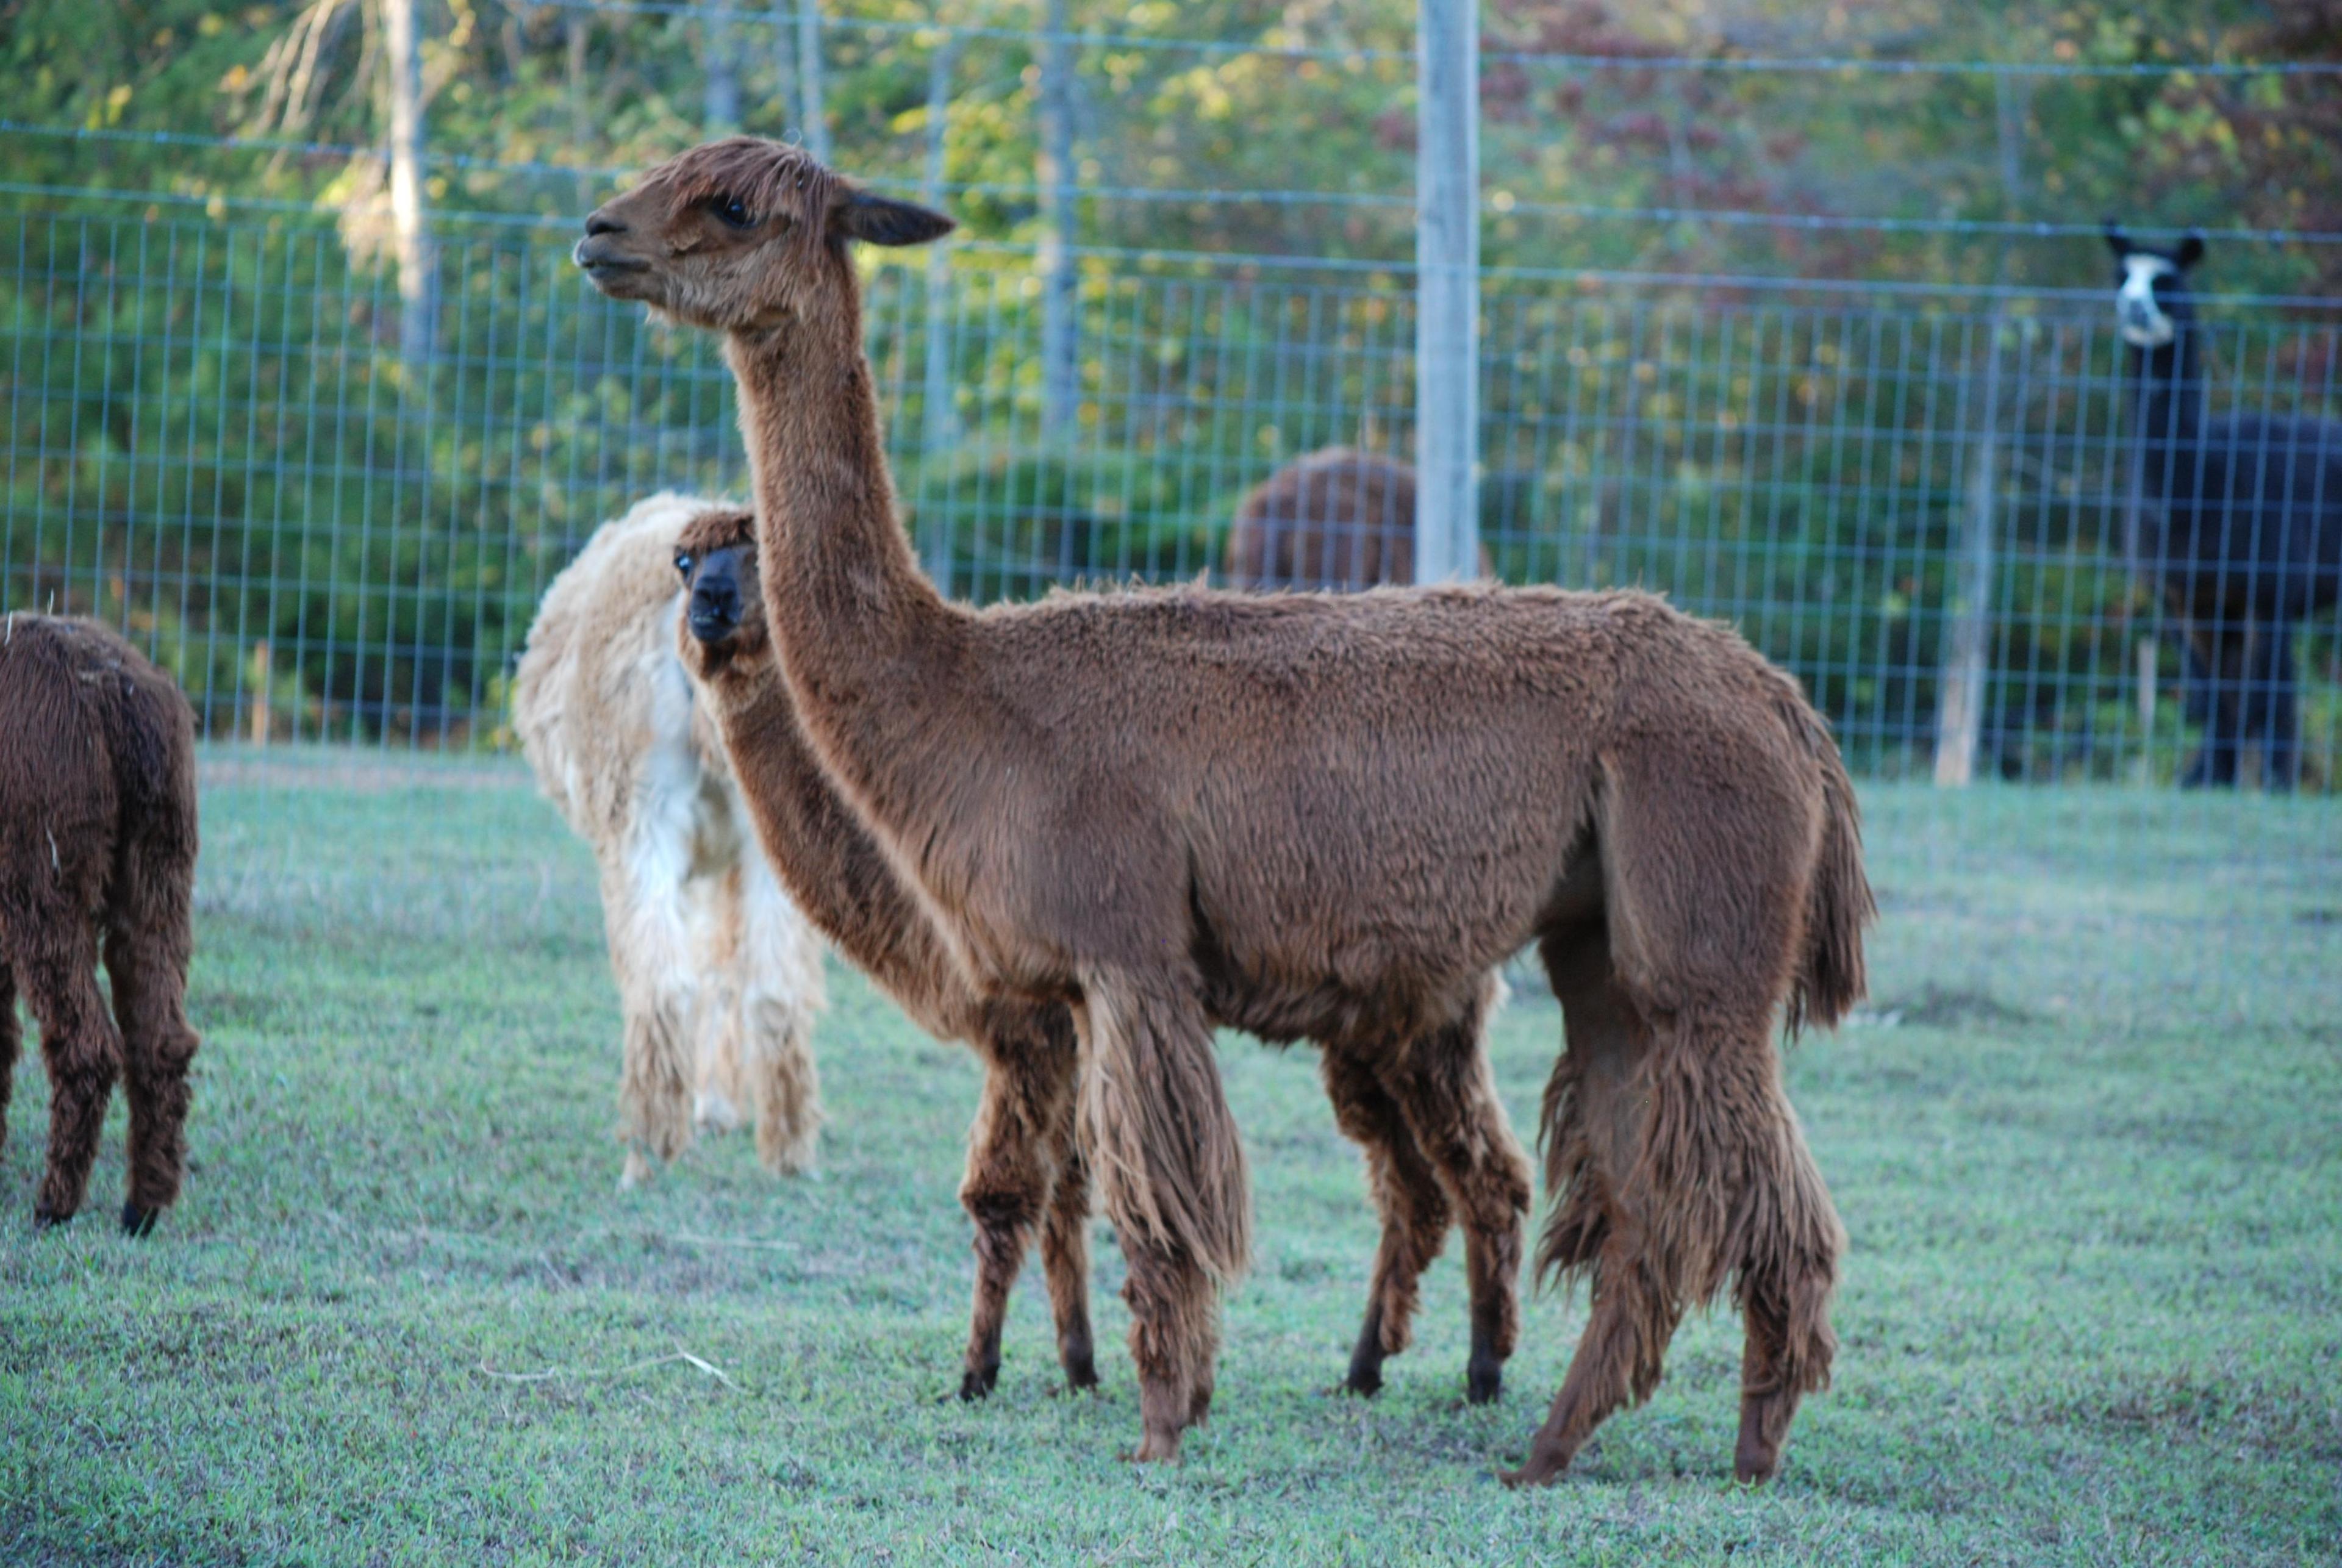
[{"x": 1960, "y": 687}]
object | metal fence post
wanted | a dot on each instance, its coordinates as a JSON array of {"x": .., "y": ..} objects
[
  {"x": 410, "y": 221},
  {"x": 1447, "y": 290},
  {"x": 1059, "y": 372}
]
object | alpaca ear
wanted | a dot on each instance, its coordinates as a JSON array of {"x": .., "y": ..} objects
[
  {"x": 883, "y": 220},
  {"x": 2191, "y": 251},
  {"x": 2118, "y": 241}
]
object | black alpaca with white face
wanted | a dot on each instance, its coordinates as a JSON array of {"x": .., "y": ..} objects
[{"x": 2242, "y": 531}]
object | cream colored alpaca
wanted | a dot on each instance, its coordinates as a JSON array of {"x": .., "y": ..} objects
[{"x": 719, "y": 976}]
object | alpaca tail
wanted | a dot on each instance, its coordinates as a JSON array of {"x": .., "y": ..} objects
[{"x": 1830, "y": 977}]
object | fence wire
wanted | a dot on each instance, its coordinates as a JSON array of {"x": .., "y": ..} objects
[{"x": 213, "y": 441}]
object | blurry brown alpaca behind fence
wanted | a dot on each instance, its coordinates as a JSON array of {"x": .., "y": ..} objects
[
  {"x": 1338, "y": 518},
  {"x": 98, "y": 841}
]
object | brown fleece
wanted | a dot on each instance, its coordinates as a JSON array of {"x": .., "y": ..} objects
[
  {"x": 1024, "y": 1139},
  {"x": 1338, "y": 518},
  {"x": 97, "y": 836},
  {"x": 1321, "y": 815}
]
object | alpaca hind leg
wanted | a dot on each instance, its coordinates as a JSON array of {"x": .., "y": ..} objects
[
  {"x": 781, "y": 995},
  {"x": 11, "y": 1042},
  {"x": 1787, "y": 1268},
  {"x": 1164, "y": 1149},
  {"x": 717, "y": 920},
  {"x": 1409, "y": 1199},
  {"x": 1619, "y": 1357},
  {"x": 1066, "y": 1249},
  {"x": 2273, "y": 710},
  {"x": 1446, "y": 1091},
  {"x": 147, "y": 952},
  {"x": 58, "y": 966},
  {"x": 1592, "y": 1127}
]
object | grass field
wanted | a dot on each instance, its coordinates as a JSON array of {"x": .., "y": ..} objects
[{"x": 2087, "y": 1142}]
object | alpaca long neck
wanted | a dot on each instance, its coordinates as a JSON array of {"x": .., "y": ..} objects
[
  {"x": 825, "y": 856},
  {"x": 871, "y": 651},
  {"x": 2170, "y": 410}
]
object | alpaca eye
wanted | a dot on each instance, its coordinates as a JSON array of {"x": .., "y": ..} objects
[
  {"x": 682, "y": 561},
  {"x": 733, "y": 211}
]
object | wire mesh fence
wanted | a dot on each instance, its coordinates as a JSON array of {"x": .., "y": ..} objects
[{"x": 1925, "y": 504}]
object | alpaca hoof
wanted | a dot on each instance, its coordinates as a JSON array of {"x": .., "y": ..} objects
[
  {"x": 138, "y": 1222},
  {"x": 45, "y": 1218},
  {"x": 635, "y": 1171},
  {"x": 977, "y": 1383},
  {"x": 1365, "y": 1381},
  {"x": 1158, "y": 1448},
  {"x": 1538, "y": 1472},
  {"x": 1484, "y": 1380},
  {"x": 1081, "y": 1374}
]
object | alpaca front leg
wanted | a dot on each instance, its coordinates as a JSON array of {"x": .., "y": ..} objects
[
  {"x": 651, "y": 952},
  {"x": 1160, "y": 1140},
  {"x": 1008, "y": 1187},
  {"x": 1407, "y": 1197},
  {"x": 1444, "y": 1088},
  {"x": 1065, "y": 1254}
]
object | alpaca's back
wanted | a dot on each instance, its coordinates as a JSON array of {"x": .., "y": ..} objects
[
  {"x": 598, "y": 680},
  {"x": 2271, "y": 494},
  {"x": 93, "y": 738}
]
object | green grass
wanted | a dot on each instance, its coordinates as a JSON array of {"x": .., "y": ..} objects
[{"x": 2086, "y": 1142}]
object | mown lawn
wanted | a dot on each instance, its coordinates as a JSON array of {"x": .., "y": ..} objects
[{"x": 2087, "y": 1140}]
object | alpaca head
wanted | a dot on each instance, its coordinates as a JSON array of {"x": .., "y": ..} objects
[
  {"x": 741, "y": 233},
  {"x": 724, "y": 603},
  {"x": 2151, "y": 289}
]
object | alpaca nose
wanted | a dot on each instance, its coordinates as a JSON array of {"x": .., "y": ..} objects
[
  {"x": 715, "y": 610},
  {"x": 597, "y": 222}
]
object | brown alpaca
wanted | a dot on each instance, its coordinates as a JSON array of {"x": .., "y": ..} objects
[
  {"x": 1340, "y": 518},
  {"x": 98, "y": 836},
  {"x": 1024, "y": 1159},
  {"x": 1323, "y": 816}
]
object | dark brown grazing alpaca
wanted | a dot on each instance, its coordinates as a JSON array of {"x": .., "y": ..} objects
[
  {"x": 1024, "y": 1159},
  {"x": 1338, "y": 518},
  {"x": 1318, "y": 816},
  {"x": 97, "y": 834}
]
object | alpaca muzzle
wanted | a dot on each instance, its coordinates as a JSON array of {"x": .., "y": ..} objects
[{"x": 714, "y": 614}]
